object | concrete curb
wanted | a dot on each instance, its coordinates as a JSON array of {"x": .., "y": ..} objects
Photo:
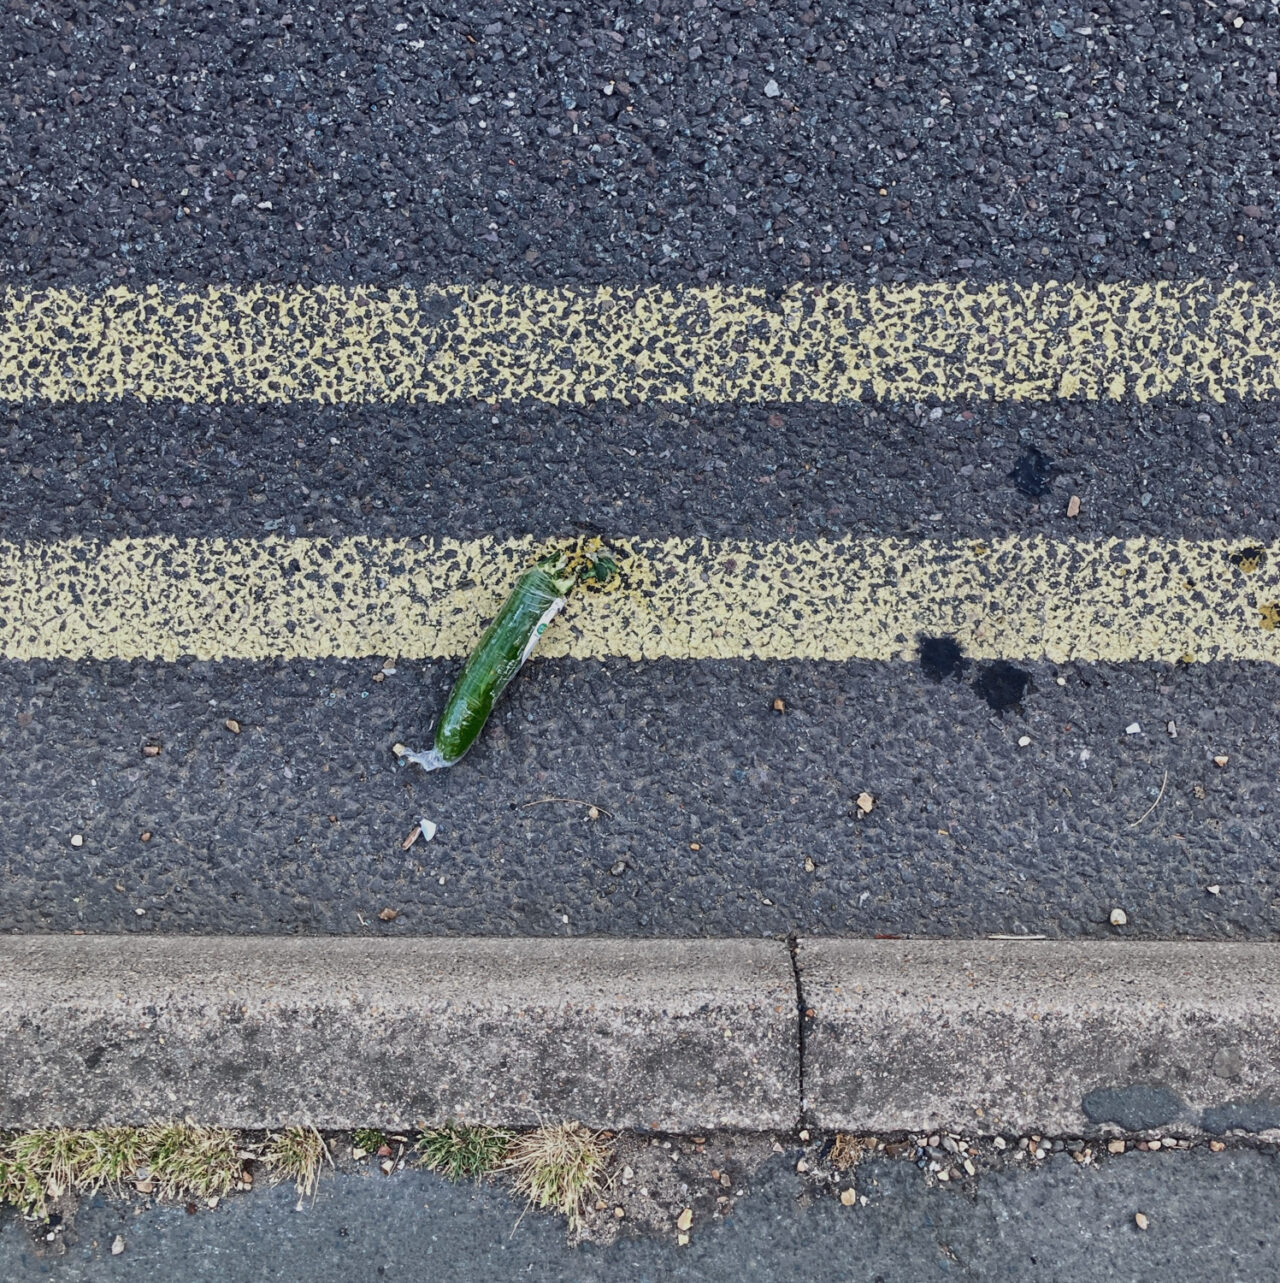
[
  {"x": 1055, "y": 1038},
  {"x": 340, "y": 1032}
]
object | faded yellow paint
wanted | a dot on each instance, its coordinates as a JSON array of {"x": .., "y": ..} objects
[
  {"x": 1019, "y": 599},
  {"x": 1192, "y": 340}
]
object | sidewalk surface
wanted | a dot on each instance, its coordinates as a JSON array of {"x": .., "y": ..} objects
[{"x": 1211, "y": 1217}]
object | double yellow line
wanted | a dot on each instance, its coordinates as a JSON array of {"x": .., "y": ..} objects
[
  {"x": 1019, "y": 599},
  {"x": 1194, "y": 340},
  {"x": 1141, "y": 599}
]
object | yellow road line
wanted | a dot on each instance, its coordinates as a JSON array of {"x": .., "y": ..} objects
[
  {"x": 164, "y": 598},
  {"x": 1192, "y": 340}
]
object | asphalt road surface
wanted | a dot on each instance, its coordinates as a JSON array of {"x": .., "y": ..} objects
[
  {"x": 1208, "y": 1216},
  {"x": 668, "y": 145}
]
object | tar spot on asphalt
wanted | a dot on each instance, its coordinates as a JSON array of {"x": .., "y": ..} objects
[
  {"x": 1002, "y": 684},
  {"x": 1033, "y": 473},
  {"x": 1248, "y": 560},
  {"x": 941, "y": 657}
]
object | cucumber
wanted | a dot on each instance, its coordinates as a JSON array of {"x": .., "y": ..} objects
[{"x": 539, "y": 595}]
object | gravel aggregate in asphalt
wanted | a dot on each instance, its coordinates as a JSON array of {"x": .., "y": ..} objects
[{"x": 668, "y": 141}]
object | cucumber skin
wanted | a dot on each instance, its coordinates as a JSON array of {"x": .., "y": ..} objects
[{"x": 497, "y": 658}]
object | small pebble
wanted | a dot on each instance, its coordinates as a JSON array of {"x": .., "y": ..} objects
[
  {"x": 685, "y": 1219},
  {"x": 1073, "y": 506},
  {"x": 1119, "y": 917},
  {"x": 1217, "y": 1146},
  {"x": 77, "y": 839},
  {"x": 1024, "y": 741},
  {"x": 848, "y": 1197},
  {"x": 1221, "y": 761},
  {"x": 117, "y": 1245},
  {"x": 1115, "y": 1147},
  {"x": 779, "y": 706},
  {"x": 1214, "y": 889},
  {"x": 1140, "y": 1220},
  {"x": 232, "y": 725},
  {"x": 865, "y": 803},
  {"x": 1134, "y": 728}
]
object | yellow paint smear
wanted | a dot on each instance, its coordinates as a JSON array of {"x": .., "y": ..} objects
[
  {"x": 1192, "y": 340},
  {"x": 1018, "y": 599}
]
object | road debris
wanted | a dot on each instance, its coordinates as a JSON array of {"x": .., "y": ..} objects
[
  {"x": 1119, "y": 918},
  {"x": 1221, "y": 761},
  {"x": 1073, "y": 506},
  {"x": 539, "y": 595},
  {"x": 425, "y": 830},
  {"x": 594, "y": 809},
  {"x": 1140, "y": 1220},
  {"x": 1163, "y": 784},
  {"x": 866, "y": 803},
  {"x": 117, "y": 1245}
]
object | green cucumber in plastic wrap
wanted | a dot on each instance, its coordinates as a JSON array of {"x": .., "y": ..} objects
[{"x": 539, "y": 595}]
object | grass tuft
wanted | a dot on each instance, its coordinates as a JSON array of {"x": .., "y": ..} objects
[
  {"x": 558, "y": 1168},
  {"x": 20, "y": 1186},
  {"x": 186, "y": 1160},
  {"x": 369, "y": 1139},
  {"x": 296, "y": 1154},
  {"x": 182, "y": 1160},
  {"x": 461, "y": 1152}
]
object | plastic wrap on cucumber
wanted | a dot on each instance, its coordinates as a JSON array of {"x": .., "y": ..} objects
[{"x": 539, "y": 595}]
